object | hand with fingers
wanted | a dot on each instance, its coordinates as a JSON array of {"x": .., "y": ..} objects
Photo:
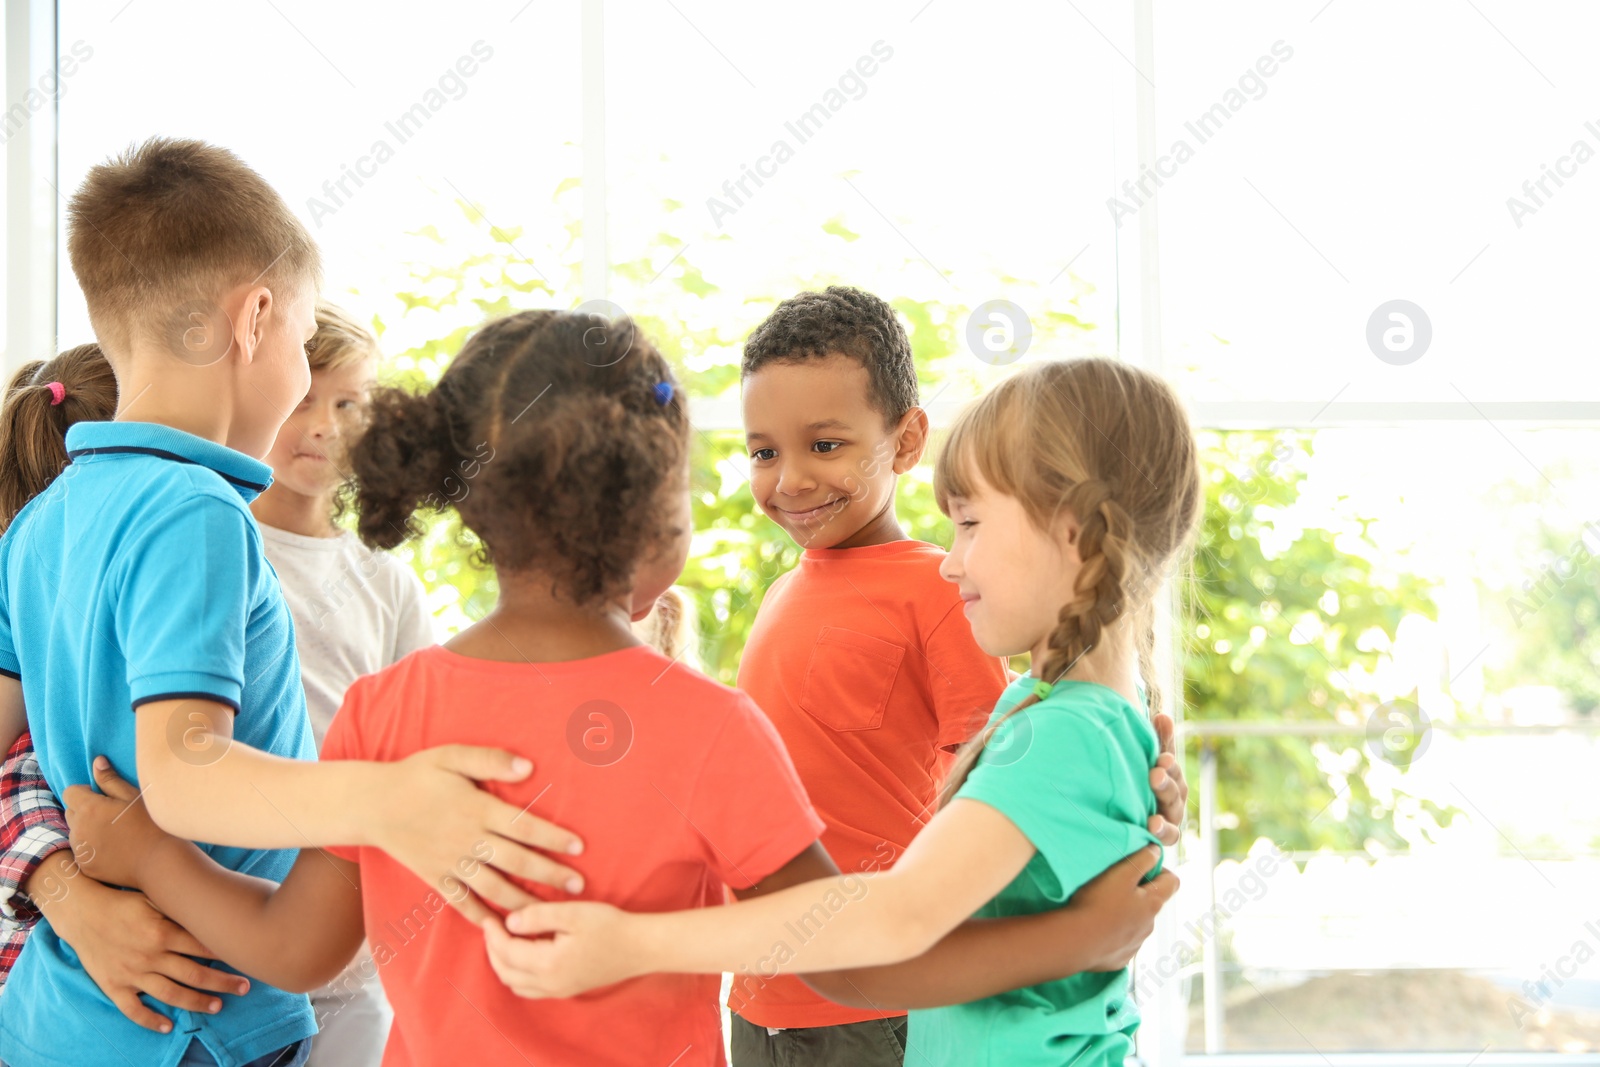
[
  {"x": 129, "y": 948},
  {"x": 113, "y": 836},
  {"x": 1125, "y": 906},
  {"x": 126, "y": 946},
  {"x": 578, "y": 946},
  {"x": 434, "y": 814},
  {"x": 1171, "y": 789}
]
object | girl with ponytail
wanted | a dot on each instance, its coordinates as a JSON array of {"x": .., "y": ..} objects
[
  {"x": 44, "y": 398},
  {"x": 1075, "y": 489}
]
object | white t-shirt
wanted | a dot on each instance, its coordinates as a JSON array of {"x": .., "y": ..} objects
[{"x": 355, "y": 611}]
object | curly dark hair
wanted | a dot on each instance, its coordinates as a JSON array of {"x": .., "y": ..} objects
[
  {"x": 845, "y": 320},
  {"x": 554, "y": 434}
]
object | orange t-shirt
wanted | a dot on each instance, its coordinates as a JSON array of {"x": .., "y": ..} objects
[
  {"x": 678, "y": 787},
  {"x": 865, "y": 662}
]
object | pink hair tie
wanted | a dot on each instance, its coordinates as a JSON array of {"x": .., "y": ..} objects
[{"x": 58, "y": 393}]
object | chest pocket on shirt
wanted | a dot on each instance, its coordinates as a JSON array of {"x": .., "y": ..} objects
[{"x": 849, "y": 679}]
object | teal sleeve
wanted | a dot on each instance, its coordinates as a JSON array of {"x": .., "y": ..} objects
[{"x": 1076, "y": 785}]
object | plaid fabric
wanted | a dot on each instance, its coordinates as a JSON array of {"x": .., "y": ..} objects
[{"x": 31, "y": 828}]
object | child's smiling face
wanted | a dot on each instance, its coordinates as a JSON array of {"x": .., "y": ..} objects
[
  {"x": 1013, "y": 576},
  {"x": 823, "y": 462}
]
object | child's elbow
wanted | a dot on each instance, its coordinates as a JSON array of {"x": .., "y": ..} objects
[
  {"x": 922, "y": 918},
  {"x": 168, "y": 816},
  {"x": 910, "y": 931},
  {"x": 158, "y": 767},
  {"x": 306, "y": 973},
  {"x": 917, "y": 933}
]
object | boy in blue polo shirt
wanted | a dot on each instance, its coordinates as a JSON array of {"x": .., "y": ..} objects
[{"x": 139, "y": 618}]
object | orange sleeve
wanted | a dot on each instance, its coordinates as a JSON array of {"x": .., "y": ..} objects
[
  {"x": 344, "y": 742},
  {"x": 748, "y": 805},
  {"x": 965, "y": 680}
]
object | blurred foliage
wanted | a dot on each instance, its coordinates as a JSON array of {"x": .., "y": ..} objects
[
  {"x": 1554, "y": 617},
  {"x": 1274, "y": 633},
  {"x": 1288, "y": 624}
]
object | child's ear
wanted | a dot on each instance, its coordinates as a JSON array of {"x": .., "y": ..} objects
[
  {"x": 250, "y": 314},
  {"x": 911, "y": 440}
]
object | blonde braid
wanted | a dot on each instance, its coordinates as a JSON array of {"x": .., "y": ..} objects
[
  {"x": 1099, "y": 596},
  {"x": 1098, "y": 602}
]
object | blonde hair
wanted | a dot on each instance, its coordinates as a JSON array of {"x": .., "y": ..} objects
[
  {"x": 670, "y": 628},
  {"x": 1110, "y": 444},
  {"x": 340, "y": 340}
]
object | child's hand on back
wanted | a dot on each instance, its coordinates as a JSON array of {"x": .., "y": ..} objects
[
  {"x": 1172, "y": 791},
  {"x": 128, "y": 947},
  {"x": 113, "y": 836},
  {"x": 435, "y": 821},
  {"x": 1124, "y": 906},
  {"x": 576, "y": 947}
]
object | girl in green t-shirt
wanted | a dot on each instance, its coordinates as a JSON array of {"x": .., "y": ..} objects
[{"x": 1075, "y": 488}]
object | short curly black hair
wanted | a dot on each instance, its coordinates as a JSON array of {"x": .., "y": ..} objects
[
  {"x": 848, "y": 321},
  {"x": 555, "y": 434}
]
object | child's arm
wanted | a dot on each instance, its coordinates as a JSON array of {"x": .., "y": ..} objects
[
  {"x": 297, "y": 936},
  {"x": 960, "y": 860},
  {"x": 424, "y": 811},
  {"x": 1100, "y": 929},
  {"x": 31, "y": 829},
  {"x": 187, "y": 583},
  {"x": 13, "y": 713},
  {"x": 126, "y": 946}
]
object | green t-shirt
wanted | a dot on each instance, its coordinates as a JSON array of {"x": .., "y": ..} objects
[{"x": 1073, "y": 774}]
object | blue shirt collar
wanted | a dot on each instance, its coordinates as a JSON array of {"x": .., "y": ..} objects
[{"x": 249, "y": 476}]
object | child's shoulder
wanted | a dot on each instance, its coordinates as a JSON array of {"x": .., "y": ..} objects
[
  {"x": 919, "y": 561},
  {"x": 1089, "y": 714},
  {"x": 180, "y": 498},
  {"x": 679, "y": 682}
]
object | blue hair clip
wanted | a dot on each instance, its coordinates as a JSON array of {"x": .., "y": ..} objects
[{"x": 663, "y": 393}]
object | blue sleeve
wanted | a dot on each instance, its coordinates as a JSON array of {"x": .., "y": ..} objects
[
  {"x": 1078, "y": 789},
  {"x": 9, "y": 664},
  {"x": 184, "y": 603}
]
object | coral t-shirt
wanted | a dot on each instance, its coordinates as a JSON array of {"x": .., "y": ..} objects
[
  {"x": 678, "y": 787},
  {"x": 867, "y": 666}
]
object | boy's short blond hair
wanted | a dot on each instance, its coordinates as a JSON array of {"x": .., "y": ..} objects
[
  {"x": 340, "y": 340},
  {"x": 164, "y": 229}
]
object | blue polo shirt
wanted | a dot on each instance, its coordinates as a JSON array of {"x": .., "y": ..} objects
[{"x": 139, "y": 576}]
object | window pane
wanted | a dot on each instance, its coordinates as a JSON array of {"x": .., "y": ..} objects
[
  {"x": 372, "y": 128},
  {"x": 1321, "y": 165},
  {"x": 1417, "y": 870},
  {"x": 927, "y": 156}
]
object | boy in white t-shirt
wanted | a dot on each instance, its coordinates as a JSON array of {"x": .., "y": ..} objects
[{"x": 355, "y": 611}]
